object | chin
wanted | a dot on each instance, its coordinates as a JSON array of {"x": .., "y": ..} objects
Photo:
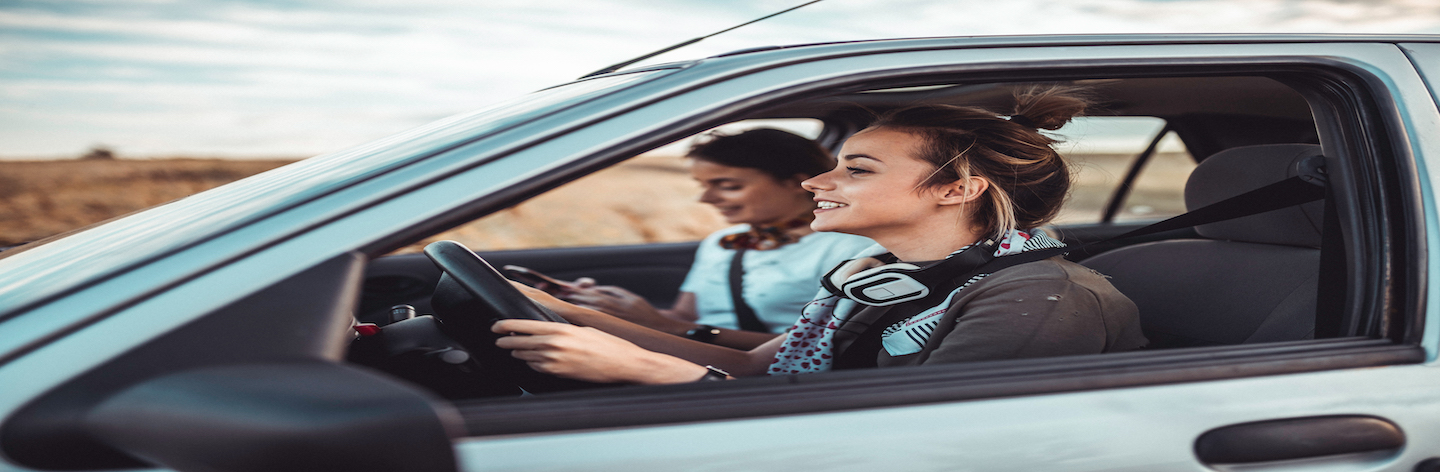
[{"x": 827, "y": 226}]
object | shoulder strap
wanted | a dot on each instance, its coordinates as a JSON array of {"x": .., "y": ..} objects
[
  {"x": 745, "y": 317},
  {"x": 1293, "y": 191}
]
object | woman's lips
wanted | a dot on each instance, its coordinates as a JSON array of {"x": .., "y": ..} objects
[{"x": 826, "y": 205}]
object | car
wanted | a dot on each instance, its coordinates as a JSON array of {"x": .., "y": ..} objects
[{"x": 215, "y": 332}]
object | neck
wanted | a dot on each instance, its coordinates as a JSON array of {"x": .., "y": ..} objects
[
  {"x": 927, "y": 245},
  {"x": 798, "y": 230}
]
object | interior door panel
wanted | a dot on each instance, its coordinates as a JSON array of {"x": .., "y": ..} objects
[{"x": 653, "y": 271}]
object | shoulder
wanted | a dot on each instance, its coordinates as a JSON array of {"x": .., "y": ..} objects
[
  {"x": 1054, "y": 268},
  {"x": 1050, "y": 275}
]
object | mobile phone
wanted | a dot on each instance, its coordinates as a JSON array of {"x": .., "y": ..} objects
[{"x": 536, "y": 279}]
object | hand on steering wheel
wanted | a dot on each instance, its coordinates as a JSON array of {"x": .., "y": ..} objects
[{"x": 471, "y": 296}]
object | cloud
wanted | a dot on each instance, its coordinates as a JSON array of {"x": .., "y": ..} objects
[{"x": 305, "y": 77}]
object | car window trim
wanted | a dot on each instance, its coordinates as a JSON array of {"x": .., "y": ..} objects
[{"x": 1254, "y": 360}]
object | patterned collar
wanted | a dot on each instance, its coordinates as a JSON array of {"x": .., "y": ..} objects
[{"x": 766, "y": 237}]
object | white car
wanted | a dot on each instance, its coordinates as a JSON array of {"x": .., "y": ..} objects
[{"x": 211, "y": 333}]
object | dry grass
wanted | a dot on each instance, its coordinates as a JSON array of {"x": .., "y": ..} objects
[
  {"x": 644, "y": 200},
  {"x": 647, "y": 199},
  {"x": 42, "y": 198}
]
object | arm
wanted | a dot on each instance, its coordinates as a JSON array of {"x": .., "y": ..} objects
[
  {"x": 625, "y": 305},
  {"x": 737, "y": 362},
  {"x": 684, "y": 309}
]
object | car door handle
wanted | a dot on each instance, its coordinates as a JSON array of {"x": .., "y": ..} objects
[{"x": 1297, "y": 438}]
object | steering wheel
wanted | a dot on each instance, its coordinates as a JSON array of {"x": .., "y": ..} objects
[
  {"x": 492, "y": 291},
  {"x": 471, "y": 296}
]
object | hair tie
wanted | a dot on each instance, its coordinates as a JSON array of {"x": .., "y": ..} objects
[{"x": 1023, "y": 120}]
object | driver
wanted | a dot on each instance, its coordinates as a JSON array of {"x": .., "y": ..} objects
[{"x": 940, "y": 188}]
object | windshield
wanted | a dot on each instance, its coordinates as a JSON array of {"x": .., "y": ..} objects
[{"x": 55, "y": 263}]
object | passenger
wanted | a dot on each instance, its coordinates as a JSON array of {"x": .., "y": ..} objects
[
  {"x": 753, "y": 179},
  {"x": 930, "y": 183}
]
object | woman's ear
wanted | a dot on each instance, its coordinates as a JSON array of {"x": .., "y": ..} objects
[{"x": 963, "y": 191}]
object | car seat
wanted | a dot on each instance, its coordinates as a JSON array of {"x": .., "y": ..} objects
[{"x": 1252, "y": 279}]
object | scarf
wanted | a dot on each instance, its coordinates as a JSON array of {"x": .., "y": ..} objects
[
  {"x": 809, "y": 345},
  {"x": 766, "y": 237}
]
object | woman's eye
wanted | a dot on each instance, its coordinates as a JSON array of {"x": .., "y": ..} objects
[
  {"x": 856, "y": 170},
  {"x": 730, "y": 188}
]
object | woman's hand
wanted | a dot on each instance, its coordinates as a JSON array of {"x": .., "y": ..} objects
[
  {"x": 625, "y": 305},
  {"x": 589, "y": 354}
]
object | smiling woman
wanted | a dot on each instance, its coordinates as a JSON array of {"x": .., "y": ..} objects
[{"x": 751, "y": 279}]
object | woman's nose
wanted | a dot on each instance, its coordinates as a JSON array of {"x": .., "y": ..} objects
[
  {"x": 816, "y": 183},
  {"x": 708, "y": 196}
]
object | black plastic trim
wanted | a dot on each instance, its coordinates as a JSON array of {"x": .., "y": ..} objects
[{"x": 1298, "y": 438}]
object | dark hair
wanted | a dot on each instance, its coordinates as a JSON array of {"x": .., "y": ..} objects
[
  {"x": 780, "y": 154},
  {"x": 1028, "y": 179}
]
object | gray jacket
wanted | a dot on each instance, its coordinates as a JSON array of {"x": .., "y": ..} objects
[{"x": 1040, "y": 309}]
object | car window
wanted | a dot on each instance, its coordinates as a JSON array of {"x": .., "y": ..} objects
[
  {"x": 1159, "y": 189},
  {"x": 1101, "y": 150},
  {"x": 649, "y": 198}
]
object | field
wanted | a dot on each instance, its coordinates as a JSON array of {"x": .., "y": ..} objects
[
  {"x": 646, "y": 199},
  {"x": 42, "y": 198}
]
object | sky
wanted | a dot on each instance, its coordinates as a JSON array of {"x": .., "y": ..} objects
[{"x": 208, "y": 78}]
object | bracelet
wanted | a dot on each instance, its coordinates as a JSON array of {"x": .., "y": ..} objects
[
  {"x": 703, "y": 333},
  {"x": 712, "y": 374}
]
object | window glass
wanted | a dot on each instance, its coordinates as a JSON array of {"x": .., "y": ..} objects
[
  {"x": 1159, "y": 189},
  {"x": 649, "y": 198},
  {"x": 1101, "y": 150}
]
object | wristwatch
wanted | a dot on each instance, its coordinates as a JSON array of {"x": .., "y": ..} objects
[
  {"x": 712, "y": 374},
  {"x": 703, "y": 333}
]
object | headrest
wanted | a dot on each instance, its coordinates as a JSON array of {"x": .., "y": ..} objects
[{"x": 1238, "y": 170}]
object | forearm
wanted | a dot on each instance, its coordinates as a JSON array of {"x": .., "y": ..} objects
[{"x": 735, "y": 361}]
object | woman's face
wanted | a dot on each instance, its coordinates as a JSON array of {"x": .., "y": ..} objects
[
  {"x": 746, "y": 195},
  {"x": 872, "y": 190}
]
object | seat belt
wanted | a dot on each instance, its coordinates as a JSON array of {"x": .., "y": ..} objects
[
  {"x": 1293, "y": 191},
  {"x": 745, "y": 317}
]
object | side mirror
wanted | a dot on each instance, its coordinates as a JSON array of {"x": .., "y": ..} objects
[{"x": 279, "y": 417}]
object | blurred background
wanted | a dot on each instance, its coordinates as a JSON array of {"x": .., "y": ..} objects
[{"x": 111, "y": 106}]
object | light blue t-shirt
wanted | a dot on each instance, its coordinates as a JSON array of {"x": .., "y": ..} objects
[{"x": 777, "y": 283}]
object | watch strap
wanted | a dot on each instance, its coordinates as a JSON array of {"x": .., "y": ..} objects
[{"x": 713, "y": 374}]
